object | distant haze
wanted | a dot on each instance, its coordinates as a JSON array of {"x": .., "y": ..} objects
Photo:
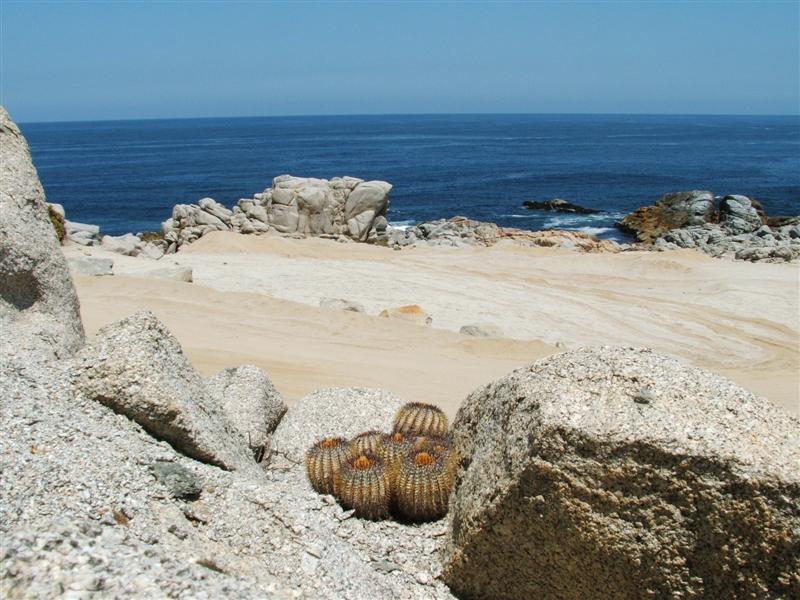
[{"x": 124, "y": 60}]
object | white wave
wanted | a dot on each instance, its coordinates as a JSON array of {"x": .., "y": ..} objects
[
  {"x": 594, "y": 230},
  {"x": 402, "y": 225}
]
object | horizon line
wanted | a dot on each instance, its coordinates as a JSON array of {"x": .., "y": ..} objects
[{"x": 409, "y": 114}]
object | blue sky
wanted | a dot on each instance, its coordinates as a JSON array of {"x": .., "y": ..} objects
[{"x": 96, "y": 60}]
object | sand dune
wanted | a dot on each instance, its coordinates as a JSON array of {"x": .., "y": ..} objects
[{"x": 255, "y": 300}]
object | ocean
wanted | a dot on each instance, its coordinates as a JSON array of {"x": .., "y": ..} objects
[{"x": 126, "y": 175}]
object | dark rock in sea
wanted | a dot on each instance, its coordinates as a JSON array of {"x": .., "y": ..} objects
[
  {"x": 620, "y": 473},
  {"x": 559, "y": 205}
]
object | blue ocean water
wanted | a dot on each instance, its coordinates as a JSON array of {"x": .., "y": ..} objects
[{"x": 127, "y": 175}]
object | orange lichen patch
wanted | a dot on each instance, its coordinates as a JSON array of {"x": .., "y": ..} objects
[
  {"x": 411, "y": 309},
  {"x": 423, "y": 459},
  {"x": 362, "y": 463}
]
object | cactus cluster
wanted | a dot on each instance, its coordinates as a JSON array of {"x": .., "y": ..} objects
[{"x": 408, "y": 472}]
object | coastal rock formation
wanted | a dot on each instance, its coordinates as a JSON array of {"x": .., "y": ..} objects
[
  {"x": 137, "y": 368},
  {"x": 738, "y": 227},
  {"x": 250, "y": 402},
  {"x": 342, "y": 412},
  {"x": 462, "y": 232},
  {"x": 559, "y": 205},
  {"x": 617, "y": 472},
  {"x": 342, "y": 206},
  {"x": 38, "y": 305},
  {"x": 82, "y": 233},
  {"x": 672, "y": 211}
]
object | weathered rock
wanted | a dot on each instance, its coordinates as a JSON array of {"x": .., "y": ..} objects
[
  {"x": 672, "y": 211},
  {"x": 38, "y": 305},
  {"x": 127, "y": 244},
  {"x": 151, "y": 250},
  {"x": 82, "y": 233},
  {"x": 179, "y": 480},
  {"x": 461, "y": 232},
  {"x": 91, "y": 266},
  {"x": 340, "y": 304},
  {"x": 482, "y": 330},
  {"x": 367, "y": 202},
  {"x": 93, "y": 506},
  {"x": 173, "y": 273},
  {"x": 737, "y": 214},
  {"x": 342, "y": 412},
  {"x": 559, "y": 205},
  {"x": 250, "y": 402},
  {"x": 619, "y": 473},
  {"x": 294, "y": 206},
  {"x": 411, "y": 312},
  {"x": 136, "y": 367}
]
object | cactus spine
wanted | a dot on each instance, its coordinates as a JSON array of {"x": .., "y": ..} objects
[
  {"x": 423, "y": 485},
  {"x": 363, "y": 485},
  {"x": 418, "y": 418},
  {"x": 366, "y": 443},
  {"x": 324, "y": 460}
]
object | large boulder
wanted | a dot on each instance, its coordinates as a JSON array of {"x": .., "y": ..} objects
[
  {"x": 738, "y": 214},
  {"x": 343, "y": 412},
  {"x": 250, "y": 402},
  {"x": 619, "y": 473},
  {"x": 39, "y": 309},
  {"x": 367, "y": 202},
  {"x": 136, "y": 367},
  {"x": 672, "y": 211}
]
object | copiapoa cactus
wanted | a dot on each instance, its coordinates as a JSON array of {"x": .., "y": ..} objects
[
  {"x": 392, "y": 449},
  {"x": 422, "y": 488},
  {"x": 367, "y": 442},
  {"x": 418, "y": 418},
  {"x": 363, "y": 485},
  {"x": 324, "y": 460}
]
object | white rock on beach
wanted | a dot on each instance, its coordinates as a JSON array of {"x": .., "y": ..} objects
[
  {"x": 293, "y": 206},
  {"x": 91, "y": 265}
]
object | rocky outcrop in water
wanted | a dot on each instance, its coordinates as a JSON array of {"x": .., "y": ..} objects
[
  {"x": 340, "y": 207},
  {"x": 619, "y": 473},
  {"x": 735, "y": 226},
  {"x": 559, "y": 205}
]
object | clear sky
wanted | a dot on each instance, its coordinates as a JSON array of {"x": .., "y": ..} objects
[{"x": 120, "y": 60}]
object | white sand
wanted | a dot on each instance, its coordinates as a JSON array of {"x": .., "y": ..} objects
[{"x": 255, "y": 300}]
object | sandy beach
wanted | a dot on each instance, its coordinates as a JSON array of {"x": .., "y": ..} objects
[{"x": 255, "y": 300}]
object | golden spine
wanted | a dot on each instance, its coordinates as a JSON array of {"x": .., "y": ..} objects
[
  {"x": 363, "y": 485},
  {"x": 366, "y": 443},
  {"x": 324, "y": 460},
  {"x": 422, "y": 490},
  {"x": 418, "y": 418}
]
